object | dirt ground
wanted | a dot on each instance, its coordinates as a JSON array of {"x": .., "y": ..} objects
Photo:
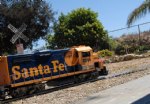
[{"x": 132, "y": 64}]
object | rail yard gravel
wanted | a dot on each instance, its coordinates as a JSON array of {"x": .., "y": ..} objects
[{"x": 73, "y": 94}]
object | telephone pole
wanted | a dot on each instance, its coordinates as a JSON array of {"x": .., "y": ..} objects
[{"x": 139, "y": 34}]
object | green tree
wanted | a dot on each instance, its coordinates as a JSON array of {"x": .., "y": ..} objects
[
  {"x": 80, "y": 27},
  {"x": 36, "y": 14},
  {"x": 139, "y": 12}
]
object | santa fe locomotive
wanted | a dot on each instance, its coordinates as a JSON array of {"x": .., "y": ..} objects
[{"x": 25, "y": 74}]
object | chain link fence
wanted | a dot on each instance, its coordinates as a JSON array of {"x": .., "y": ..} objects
[
  {"x": 141, "y": 32},
  {"x": 134, "y": 29}
]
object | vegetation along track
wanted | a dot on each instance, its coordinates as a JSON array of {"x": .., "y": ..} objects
[{"x": 121, "y": 73}]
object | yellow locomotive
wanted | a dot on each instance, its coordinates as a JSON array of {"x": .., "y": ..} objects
[{"x": 23, "y": 74}]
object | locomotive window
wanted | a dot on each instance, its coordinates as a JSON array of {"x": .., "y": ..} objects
[{"x": 85, "y": 54}]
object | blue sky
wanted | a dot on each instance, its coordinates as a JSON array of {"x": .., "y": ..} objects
[{"x": 112, "y": 13}]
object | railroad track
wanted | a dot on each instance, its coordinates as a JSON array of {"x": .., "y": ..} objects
[{"x": 121, "y": 73}]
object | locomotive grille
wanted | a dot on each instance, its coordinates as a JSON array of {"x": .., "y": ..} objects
[{"x": 86, "y": 67}]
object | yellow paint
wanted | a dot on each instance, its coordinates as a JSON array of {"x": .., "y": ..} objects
[
  {"x": 16, "y": 73},
  {"x": 19, "y": 73},
  {"x": 71, "y": 57},
  {"x": 34, "y": 72},
  {"x": 61, "y": 67},
  {"x": 25, "y": 73},
  {"x": 40, "y": 67},
  {"x": 47, "y": 69},
  {"x": 55, "y": 66}
]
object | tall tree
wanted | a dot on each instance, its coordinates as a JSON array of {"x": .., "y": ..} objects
[
  {"x": 139, "y": 12},
  {"x": 36, "y": 14},
  {"x": 80, "y": 27}
]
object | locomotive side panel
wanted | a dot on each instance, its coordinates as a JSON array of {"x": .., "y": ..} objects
[
  {"x": 45, "y": 66},
  {"x": 19, "y": 68},
  {"x": 27, "y": 69}
]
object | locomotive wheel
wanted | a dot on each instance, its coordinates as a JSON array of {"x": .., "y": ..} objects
[
  {"x": 94, "y": 75},
  {"x": 31, "y": 89},
  {"x": 14, "y": 93},
  {"x": 40, "y": 87},
  {"x": 82, "y": 78},
  {"x": 104, "y": 71},
  {"x": 2, "y": 97},
  {"x": 18, "y": 92},
  {"x": 35, "y": 88}
]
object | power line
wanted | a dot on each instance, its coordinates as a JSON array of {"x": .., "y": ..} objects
[{"x": 129, "y": 27}]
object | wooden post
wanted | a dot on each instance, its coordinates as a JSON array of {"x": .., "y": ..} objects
[{"x": 20, "y": 49}]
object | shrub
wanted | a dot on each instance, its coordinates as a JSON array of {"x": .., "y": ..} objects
[
  {"x": 120, "y": 50},
  {"x": 104, "y": 53}
]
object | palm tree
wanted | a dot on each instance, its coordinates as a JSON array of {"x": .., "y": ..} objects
[{"x": 139, "y": 12}]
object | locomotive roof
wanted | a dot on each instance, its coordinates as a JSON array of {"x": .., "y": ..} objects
[
  {"x": 80, "y": 48},
  {"x": 84, "y": 48},
  {"x": 43, "y": 52}
]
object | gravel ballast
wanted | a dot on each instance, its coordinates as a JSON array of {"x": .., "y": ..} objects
[{"x": 73, "y": 94}]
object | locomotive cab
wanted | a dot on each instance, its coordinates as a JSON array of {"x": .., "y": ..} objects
[
  {"x": 85, "y": 57},
  {"x": 89, "y": 60}
]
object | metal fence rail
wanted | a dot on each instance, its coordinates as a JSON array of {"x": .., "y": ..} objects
[
  {"x": 134, "y": 29},
  {"x": 130, "y": 27}
]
